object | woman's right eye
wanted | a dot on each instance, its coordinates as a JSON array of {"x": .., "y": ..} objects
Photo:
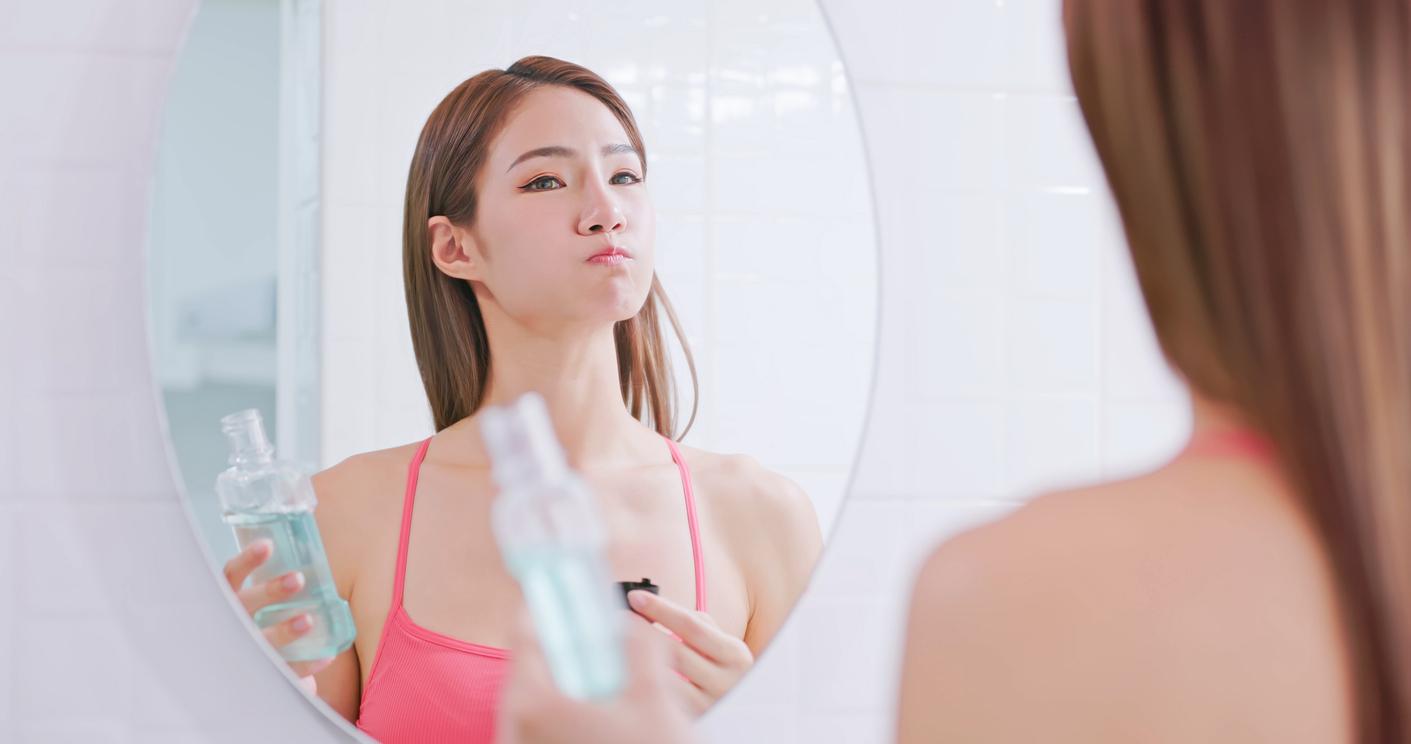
[{"x": 543, "y": 183}]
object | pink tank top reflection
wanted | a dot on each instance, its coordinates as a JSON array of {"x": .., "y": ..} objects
[{"x": 430, "y": 688}]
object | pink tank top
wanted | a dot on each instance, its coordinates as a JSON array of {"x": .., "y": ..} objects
[
  {"x": 1239, "y": 442},
  {"x": 428, "y": 687}
]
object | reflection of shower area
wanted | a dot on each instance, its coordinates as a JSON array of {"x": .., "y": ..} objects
[{"x": 229, "y": 270}]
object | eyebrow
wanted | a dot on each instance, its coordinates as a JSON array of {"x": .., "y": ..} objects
[{"x": 559, "y": 151}]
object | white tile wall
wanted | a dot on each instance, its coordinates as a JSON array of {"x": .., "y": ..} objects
[
  {"x": 108, "y": 607},
  {"x": 132, "y": 659}
]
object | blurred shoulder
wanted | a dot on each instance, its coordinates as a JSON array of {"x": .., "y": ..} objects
[{"x": 1169, "y": 595}]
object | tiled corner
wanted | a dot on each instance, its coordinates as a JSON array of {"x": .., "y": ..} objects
[
  {"x": 74, "y": 668},
  {"x": 951, "y": 44},
  {"x": 9, "y": 611},
  {"x": 969, "y": 156},
  {"x": 61, "y": 427},
  {"x": 1139, "y": 436},
  {"x": 851, "y": 728},
  {"x": 960, "y": 447},
  {"x": 73, "y": 730},
  {"x": 888, "y": 459},
  {"x": 678, "y": 182},
  {"x": 1036, "y": 56},
  {"x": 54, "y": 566},
  {"x": 1051, "y": 443},
  {"x": 933, "y": 521},
  {"x": 1053, "y": 346},
  {"x": 868, "y": 546},
  {"x": 1048, "y": 145},
  {"x": 90, "y": 24},
  {"x": 960, "y": 342},
  {"x": 959, "y": 234},
  {"x": 776, "y": 723},
  {"x": 108, "y": 205},
  {"x": 157, "y": 699},
  {"x": 849, "y": 651},
  {"x": 61, "y": 85},
  {"x": 99, "y": 308},
  {"x": 1057, "y": 241},
  {"x": 128, "y": 574}
]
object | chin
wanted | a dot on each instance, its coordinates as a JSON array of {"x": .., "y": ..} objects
[{"x": 620, "y": 300}]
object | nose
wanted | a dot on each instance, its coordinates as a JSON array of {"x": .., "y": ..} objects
[{"x": 601, "y": 215}]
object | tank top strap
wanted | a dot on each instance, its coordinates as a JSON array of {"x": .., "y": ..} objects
[
  {"x": 1242, "y": 442},
  {"x": 405, "y": 536},
  {"x": 697, "y": 554}
]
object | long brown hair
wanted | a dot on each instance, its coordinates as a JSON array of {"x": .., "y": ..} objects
[
  {"x": 1260, "y": 156},
  {"x": 448, "y": 331}
]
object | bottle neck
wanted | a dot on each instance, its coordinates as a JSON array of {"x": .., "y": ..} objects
[
  {"x": 245, "y": 434},
  {"x": 252, "y": 460}
]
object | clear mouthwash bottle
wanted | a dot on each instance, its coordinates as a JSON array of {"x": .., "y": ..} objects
[{"x": 266, "y": 498}]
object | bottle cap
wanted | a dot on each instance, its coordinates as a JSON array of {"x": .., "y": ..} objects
[{"x": 645, "y": 584}]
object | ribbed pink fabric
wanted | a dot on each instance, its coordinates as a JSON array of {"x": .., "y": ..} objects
[
  {"x": 428, "y": 687},
  {"x": 1240, "y": 442}
]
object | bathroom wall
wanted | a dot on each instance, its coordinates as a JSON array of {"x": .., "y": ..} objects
[
  {"x": 1014, "y": 357},
  {"x": 1015, "y": 354},
  {"x": 108, "y": 609},
  {"x": 765, "y": 236}
]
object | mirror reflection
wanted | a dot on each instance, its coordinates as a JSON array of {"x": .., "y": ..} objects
[{"x": 466, "y": 324}]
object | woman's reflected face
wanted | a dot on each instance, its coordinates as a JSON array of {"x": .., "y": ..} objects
[{"x": 564, "y": 225}]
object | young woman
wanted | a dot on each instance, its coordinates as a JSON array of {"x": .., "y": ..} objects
[
  {"x": 1257, "y": 588},
  {"x": 528, "y": 255}
]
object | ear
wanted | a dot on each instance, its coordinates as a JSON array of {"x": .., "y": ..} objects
[{"x": 454, "y": 250}]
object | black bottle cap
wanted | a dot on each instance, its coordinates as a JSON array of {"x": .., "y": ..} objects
[{"x": 645, "y": 584}]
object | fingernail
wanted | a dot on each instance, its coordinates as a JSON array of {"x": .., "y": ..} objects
[
  {"x": 292, "y": 581},
  {"x": 263, "y": 545},
  {"x": 638, "y": 598},
  {"x": 303, "y": 622}
]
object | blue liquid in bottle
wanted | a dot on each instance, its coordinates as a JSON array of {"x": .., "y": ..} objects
[
  {"x": 267, "y": 499},
  {"x": 545, "y": 521},
  {"x": 583, "y": 648}
]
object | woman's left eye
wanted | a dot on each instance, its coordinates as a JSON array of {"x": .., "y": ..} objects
[{"x": 631, "y": 178}]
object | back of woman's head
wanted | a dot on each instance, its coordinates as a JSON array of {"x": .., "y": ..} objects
[
  {"x": 447, "y": 327},
  {"x": 1260, "y": 155}
]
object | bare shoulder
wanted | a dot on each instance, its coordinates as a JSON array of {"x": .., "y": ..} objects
[
  {"x": 363, "y": 480},
  {"x": 357, "y": 499},
  {"x": 747, "y": 494},
  {"x": 768, "y": 525},
  {"x": 1191, "y": 604}
]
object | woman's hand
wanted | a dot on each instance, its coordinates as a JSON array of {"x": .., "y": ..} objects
[
  {"x": 709, "y": 660},
  {"x": 534, "y": 711},
  {"x": 255, "y": 597}
]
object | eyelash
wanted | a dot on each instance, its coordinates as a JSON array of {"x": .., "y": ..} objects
[{"x": 530, "y": 186}]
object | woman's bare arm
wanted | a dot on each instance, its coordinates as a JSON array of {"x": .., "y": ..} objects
[
  {"x": 339, "y": 684},
  {"x": 780, "y": 548}
]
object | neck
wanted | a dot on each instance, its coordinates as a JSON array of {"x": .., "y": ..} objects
[{"x": 577, "y": 375}]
